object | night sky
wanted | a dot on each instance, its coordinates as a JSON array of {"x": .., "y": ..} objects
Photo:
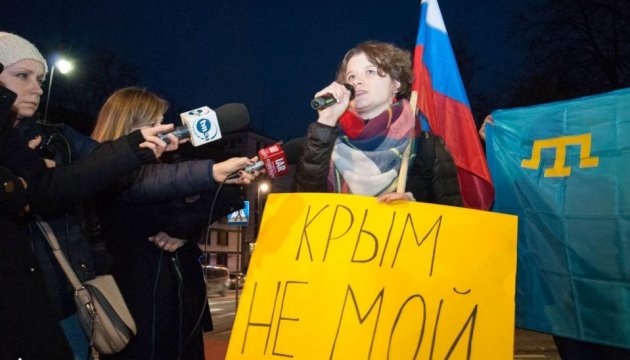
[{"x": 270, "y": 55}]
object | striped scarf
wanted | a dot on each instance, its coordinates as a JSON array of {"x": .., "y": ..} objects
[{"x": 366, "y": 157}]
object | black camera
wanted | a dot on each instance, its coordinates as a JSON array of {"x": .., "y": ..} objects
[{"x": 56, "y": 148}]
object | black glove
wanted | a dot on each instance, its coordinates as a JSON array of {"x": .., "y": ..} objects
[{"x": 12, "y": 193}]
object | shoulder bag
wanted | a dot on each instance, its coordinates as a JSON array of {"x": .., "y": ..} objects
[{"x": 101, "y": 309}]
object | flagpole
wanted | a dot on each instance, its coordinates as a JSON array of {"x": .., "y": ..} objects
[{"x": 404, "y": 166}]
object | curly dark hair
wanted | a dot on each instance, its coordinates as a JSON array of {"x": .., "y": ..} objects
[{"x": 389, "y": 59}]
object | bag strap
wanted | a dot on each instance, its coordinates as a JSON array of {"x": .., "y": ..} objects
[{"x": 59, "y": 255}]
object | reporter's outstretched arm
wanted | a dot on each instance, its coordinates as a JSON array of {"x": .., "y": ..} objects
[
  {"x": 161, "y": 182},
  {"x": 221, "y": 171},
  {"x": 153, "y": 141},
  {"x": 166, "y": 181},
  {"x": 106, "y": 165}
]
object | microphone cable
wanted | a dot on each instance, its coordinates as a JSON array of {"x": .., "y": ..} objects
[
  {"x": 180, "y": 300},
  {"x": 154, "y": 307},
  {"x": 207, "y": 262}
]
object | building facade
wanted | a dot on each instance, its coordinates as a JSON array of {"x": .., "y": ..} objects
[{"x": 232, "y": 245}]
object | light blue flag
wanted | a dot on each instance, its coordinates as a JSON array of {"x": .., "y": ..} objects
[{"x": 564, "y": 169}]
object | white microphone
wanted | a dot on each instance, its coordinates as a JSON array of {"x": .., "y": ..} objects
[
  {"x": 204, "y": 125},
  {"x": 200, "y": 125}
]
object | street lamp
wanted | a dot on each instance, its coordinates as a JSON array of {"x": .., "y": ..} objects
[
  {"x": 64, "y": 67},
  {"x": 263, "y": 187}
]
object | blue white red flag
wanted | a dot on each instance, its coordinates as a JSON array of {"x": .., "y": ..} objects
[{"x": 442, "y": 100}]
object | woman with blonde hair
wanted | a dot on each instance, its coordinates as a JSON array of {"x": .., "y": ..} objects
[
  {"x": 126, "y": 110},
  {"x": 148, "y": 228},
  {"x": 133, "y": 108}
]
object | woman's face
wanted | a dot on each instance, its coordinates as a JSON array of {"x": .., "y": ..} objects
[
  {"x": 373, "y": 92},
  {"x": 24, "y": 78}
]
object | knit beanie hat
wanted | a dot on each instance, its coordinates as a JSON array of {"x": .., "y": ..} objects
[{"x": 14, "y": 48}]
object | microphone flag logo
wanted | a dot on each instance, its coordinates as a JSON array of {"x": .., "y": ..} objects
[{"x": 203, "y": 125}]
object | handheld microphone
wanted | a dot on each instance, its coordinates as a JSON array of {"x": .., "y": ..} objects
[
  {"x": 276, "y": 158},
  {"x": 326, "y": 100},
  {"x": 273, "y": 159},
  {"x": 199, "y": 125},
  {"x": 203, "y": 125}
]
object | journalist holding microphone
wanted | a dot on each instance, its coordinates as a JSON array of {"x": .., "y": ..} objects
[
  {"x": 155, "y": 261},
  {"x": 29, "y": 321},
  {"x": 355, "y": 145}
]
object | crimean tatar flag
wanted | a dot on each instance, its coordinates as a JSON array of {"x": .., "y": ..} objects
[
  {"x": 442, "y": 100},
  {"x": 562, "y": 167}
]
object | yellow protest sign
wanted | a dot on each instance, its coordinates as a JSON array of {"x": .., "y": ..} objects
[{"x": 338, "y": 276}]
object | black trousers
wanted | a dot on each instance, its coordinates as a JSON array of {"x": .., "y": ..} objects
[{"x": 570, "y": 349}]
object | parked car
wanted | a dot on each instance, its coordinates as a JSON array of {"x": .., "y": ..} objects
[
  {"x": 237, "y": 279},
  {"x": 217, "y": 279}
]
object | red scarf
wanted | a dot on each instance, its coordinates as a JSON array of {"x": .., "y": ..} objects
[{"x": 367, "y": 155}]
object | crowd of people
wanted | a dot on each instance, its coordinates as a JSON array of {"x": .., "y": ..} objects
[
  {"x": 74, "y": 181},
  {"x": 111, "y": 188}
]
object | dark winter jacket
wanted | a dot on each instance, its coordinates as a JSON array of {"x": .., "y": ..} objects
[
  {"x": 28, "y": 326},
  {"x": 64, "y": 145},
  {"x": 165, "y": 291},
  {"x": 60, "y": 142},
  {"x": 431, "y": 178},
  {"x": 166, "y": 181}
]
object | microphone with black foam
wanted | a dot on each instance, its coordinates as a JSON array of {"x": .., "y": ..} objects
[
  {"x": 204, "y": 125},
  {"x": 326, "y": 100}
]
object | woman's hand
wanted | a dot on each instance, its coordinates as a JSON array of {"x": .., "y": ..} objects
[
  {"x": 330, "y": 115},
  {"x": 482, "y": 129},
  {"x": 220, "y": 171},
  {"x": 163, "y": 241},
  {"x": 154, "y": 143},
  {"x": 394, "y": 196},
  {"x": 34, "y": 143}
]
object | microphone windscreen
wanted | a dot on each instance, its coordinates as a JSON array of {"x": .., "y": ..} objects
[{"x": 232, "y": 117}]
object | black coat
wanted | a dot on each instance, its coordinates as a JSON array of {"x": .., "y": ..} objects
[
  {"x": 28, "y": 327},
  {"x": 165, "y": 291},
  {"x": 432, "y": 177}
]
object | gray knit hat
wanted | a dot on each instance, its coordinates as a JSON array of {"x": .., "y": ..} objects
[{"x": 14, "y": 48}]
